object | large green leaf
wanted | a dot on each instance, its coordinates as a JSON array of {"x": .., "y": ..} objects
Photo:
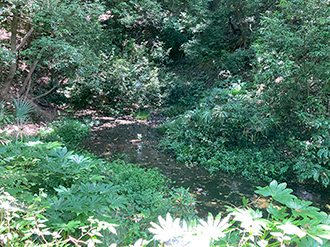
[
  {"x": 278, "y": 213},
  {"x": 277, "y": 191},
  {"x": 310, "y": 242},
  {"x": 302, "y": 209}
]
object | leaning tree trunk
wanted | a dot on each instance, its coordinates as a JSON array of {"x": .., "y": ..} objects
[{"x": 9, "y": 80}]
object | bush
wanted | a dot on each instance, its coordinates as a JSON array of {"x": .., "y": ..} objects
[
  {"x": 23, "y": 223},
  {"x": 128, "y": 77},
  {"x": 69, "y": 132},
  {"x": 66, "y": 183},
  {"x": 313, "y": 153},
  {"x": 66, "y": 189},
  {"x": 148, "y": 195},
  {"x": 228, "y": 132}
]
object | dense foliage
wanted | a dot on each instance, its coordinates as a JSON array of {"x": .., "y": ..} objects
[
  {"x": 277, "y": 123},
  {"x": 66, "y": 189},
  {"x": 53, "y": 196},
  {"x": 69, "y": 132},
  {"x": 294, "y": 63},
  {"x": 246, "y": 84},
  {"x": 228, "y": 131},
  {"x": 288, "y": 221}
]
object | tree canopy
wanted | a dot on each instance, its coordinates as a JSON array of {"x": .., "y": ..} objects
[{"x": 258, "y": 69}]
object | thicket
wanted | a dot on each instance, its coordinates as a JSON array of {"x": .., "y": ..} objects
[
  {"x": 228, "y": 131},
  {"x": 246, "y": 82},
  {"x": 53, "y": 196},
  {"x": 270, "y": 120},
  {"x": 33, "y": 220}
]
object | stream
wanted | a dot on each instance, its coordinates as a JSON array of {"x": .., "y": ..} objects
[{"x": 137, "y": 141}]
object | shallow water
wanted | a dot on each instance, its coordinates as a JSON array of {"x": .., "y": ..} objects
[{"x": 138, "y": 140}]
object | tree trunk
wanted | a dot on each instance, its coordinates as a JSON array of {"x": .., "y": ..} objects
[
  {"x": 9, "y": 80},
  {"x": 25, "y": 39},
  {"x": 28, "y": 78}
]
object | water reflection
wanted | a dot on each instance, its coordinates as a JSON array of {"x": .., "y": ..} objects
[{"x": 138, "y": 142}]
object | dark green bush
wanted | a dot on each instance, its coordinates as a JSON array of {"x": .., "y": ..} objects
[
  {"x": 144, "y": 188},
  {"x": 312, "y": 159},
  {"x": 228, "y": 132}
]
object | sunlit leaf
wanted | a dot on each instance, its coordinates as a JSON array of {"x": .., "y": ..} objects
[
  {"x": 291, "y": 229},
  {"x": 250, "y": 220}
]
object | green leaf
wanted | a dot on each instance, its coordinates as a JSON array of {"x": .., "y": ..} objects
[
  {"x": 277, "y": 191},
  {"x": 245, "y": 201},
  {"x": 73, "y": 225},
  {"x": 96, "y": 178},
  {"x": 277, "y": 213},
  {"x": 310, "y": 242},
  {"x": 62, "y": 153},
  {"x": 302, "y": 209},
  {"x": 23, "y": 107}
]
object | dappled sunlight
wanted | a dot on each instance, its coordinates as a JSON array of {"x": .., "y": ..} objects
[
  {"x": 26, "y": 129},
  {"x": 170, "y": 109}
]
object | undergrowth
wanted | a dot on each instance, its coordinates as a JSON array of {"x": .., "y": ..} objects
[
  {"x": 72, "y": 188},
  {"x": 68, "y": 131}
]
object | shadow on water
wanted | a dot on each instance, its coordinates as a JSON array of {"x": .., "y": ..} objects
[{"x": 137, "y": 141}]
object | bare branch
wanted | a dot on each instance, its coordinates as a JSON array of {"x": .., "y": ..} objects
[
  {"x": 28, "y": 88},
  {"x": 25, "y": 38},
  {"x": 48, "y": 92},
  {"x": 32, "y": 69},
  {"x": 28, "y": 78}
]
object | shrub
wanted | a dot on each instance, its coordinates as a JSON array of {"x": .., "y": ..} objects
[
  {"x": 66, "y": 189},
  {"x": 313, "y": 154},
  {"x": 69, "y": 132},
  {"x": 229, "y": 132},
  {"x": 148, "y": 196},
  {"x": 71, "y": 189},
  {"x": 23, "y": 223}
]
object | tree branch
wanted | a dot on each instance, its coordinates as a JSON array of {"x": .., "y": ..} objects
[
  {"x": 28, "y": 89},
  {"x": 25, "y": 38},
  {"x": 13, "y": 66},
  {"x": 48, "y": 92},
  {"x": 28, "y": 78}
]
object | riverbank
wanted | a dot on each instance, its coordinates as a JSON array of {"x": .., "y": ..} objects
[{"x": 136, "y": 141}]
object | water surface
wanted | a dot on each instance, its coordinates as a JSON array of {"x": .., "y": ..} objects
[{"x": 138, "y": 141}]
